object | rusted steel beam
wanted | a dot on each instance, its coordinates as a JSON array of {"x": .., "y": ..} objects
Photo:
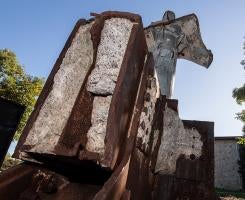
[
  {"x": 105, "y": 92},
  {"x": 101, "y": 130},
  {"x": 10, "y": 115},
  {"x": 15, "y": 180},
  {"x": 28, "y": 182},
  {"x": 22, "y": 147},
  {"x": 55, "y": 182},
  {"x": 126, "y": 195},
  {"x": 117, "y": 185},
  {"x": 140, "y": 177},
  {"x": 124, "y": 96},
  {"x": 169, "y": 187}
]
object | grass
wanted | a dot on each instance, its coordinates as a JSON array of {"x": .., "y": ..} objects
[{"x": 225, "y": 193}]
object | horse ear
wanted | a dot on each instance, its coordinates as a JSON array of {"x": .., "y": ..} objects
[{"x": 168, "y": 16}]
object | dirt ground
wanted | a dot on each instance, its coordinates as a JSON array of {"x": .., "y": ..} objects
[{"x": 231, "y": 198}]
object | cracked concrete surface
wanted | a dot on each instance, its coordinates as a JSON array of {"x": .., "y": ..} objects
[
  {"x": 176, "y": 140},
  {"x": 57, "y": 107},
  {"x": 102, "y": 80},
  {"x": 97, "y": 132},
  {"x": 111, "y": 50}
]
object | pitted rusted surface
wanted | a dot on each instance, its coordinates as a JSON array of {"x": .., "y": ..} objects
[
  {"x": 194, "y": 176},
  {"x": 124, "y": 96},
  {"x": 201, "y": 169},
  {"x": 73, "y": 140},
  {"x": 115, "y": 187},
  {"x": 15, "y": 180},
  {"x": 140, "y": 178},
  {"x": 171, "y": 188},
  {"x": 32, "y": 182},
  {"x": 134, "y": 134}
]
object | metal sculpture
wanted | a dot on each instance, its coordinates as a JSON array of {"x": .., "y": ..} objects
[
  {"x": 171, "y": 39},
  {"x": 118, "y": 139}
]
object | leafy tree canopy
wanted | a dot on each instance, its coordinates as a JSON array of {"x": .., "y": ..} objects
[
  {"x": 18, "y": 86},
  {"x": 9, "y": 162},
  {"x": 239, "y": 96}
]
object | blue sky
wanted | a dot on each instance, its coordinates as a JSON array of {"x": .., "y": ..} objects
[{"x": 37, "y": 30}]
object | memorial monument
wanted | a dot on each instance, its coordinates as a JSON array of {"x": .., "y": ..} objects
[{"x": 104, "y": 126}]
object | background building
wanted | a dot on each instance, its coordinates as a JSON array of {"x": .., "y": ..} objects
[{"x": 226, "y": 163}]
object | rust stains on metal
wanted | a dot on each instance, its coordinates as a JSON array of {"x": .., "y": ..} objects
[
  {"x": 126, "y": 170},
  {"x": 15, "y": 180}
]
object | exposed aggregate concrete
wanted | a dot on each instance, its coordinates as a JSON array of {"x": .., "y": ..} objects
[
  {"x": 97, "y": 132},
  {"x": 55, "y": 112},
  {"x": 111, "y": 50},
  {"x": 102, "y": 80}
]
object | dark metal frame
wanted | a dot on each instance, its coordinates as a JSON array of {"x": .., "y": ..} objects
[{"x": 10, "y": 115}]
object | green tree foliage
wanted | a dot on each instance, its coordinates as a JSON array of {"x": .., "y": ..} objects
[
  {"x": 18, "y": 86},
  {"x": 239, "y": 95},
  {"x": 9, "y": 162},
  {"x": 241, "y": 140}
]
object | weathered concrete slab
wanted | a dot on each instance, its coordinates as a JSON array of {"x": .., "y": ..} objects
[
  {"x": 185, "y": 165},
  {"x": 88, "y": 99},
  {"x": 140, "y": 177},
  {"x": 125, "y": 92},
  {"x": 58, "y": 99},
  {"x": 176, "y": 141},
  {"x": 130, "y": 177}
]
